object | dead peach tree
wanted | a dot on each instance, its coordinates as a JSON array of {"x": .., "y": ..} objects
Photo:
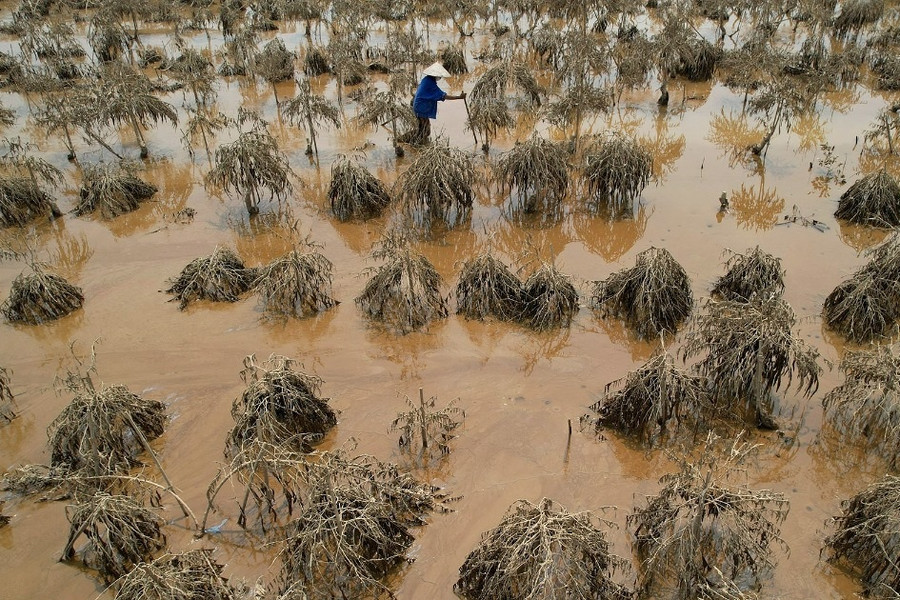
[
  {"x": 706, "y": 531},
  {"x": 746, "y": 351},
  {"x": 654, "y": 403},
  {"x": 252, "y": 165},
  {"x": 866, "y": 540},
  {"x": 865, "y": 409},
  {"x": 542, "y": 551}
]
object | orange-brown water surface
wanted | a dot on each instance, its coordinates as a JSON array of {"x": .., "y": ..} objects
[{"x": 518, "y": 388}]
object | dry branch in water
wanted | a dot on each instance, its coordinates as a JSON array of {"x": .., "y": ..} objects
[
  {"x": 438, "y": 184},
  {"x": 747, "y": 350},
  {"x": 354, "y": 192},
  {"x": 867, "y": 538},
  {"x": 96, "y": 434},
  {"x": 113, "y": 189},
  {"x": 487, "y": 287},
  {"x": 316, "y": 62},
  {"x": 454, "y": 60},
  {"x": 864, "y": 307},
  {"x": 617, "y": 169},
  {"x": 296, "y": 285},
  {"x": 872, "y": 200},
  {"x": 121, "y": 533},
  {"x": 40, "y": 297},
  {"x": 703, "y": 531},
  {"x": 424, "y": 429},
  {"x": 21, "y": 202},
  {"x": 542, "y": 551},
  {"x": 653, "y": 297},
  {"x": 756, "y": 273},
  {"x": 274, "y": 62},
  {"x": 549, "y": 299},
  {"x": 251, "y": 165},
  {"x": 865, "y": 409},
  {"x": 7, "y": 400},
  {"x": 269, "y": 481},
  {"x": 219, "y": 277},
  {"x": 405, "y": 292},
  {"x": 280, "y": 406},
  {"x": 354, "y": 528},
  {"x": 191, "y": 575},
  {"x": 656, "y": 401},
  {"x": 534, "y": 173}
]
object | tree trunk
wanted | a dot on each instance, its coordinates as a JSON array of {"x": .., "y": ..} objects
[
  {"x": 423, "y": 423},
  {"x": 69, "y": 145},
  {"x": 140, "y": 137}
]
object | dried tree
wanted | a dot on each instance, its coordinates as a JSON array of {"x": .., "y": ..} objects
[
  {"x": 865, "y": 409},
  {"x": 101, "y": 432},
  {"x": 703, "y": 526},
  {"x": 617, "y": 170},
  {"x": 275, "y": 63},
  {"x": 487, "y": 287},
  {"x": 310, "y": 109},
  {"x": 354, "y": 193},
  {"x": 756, "y": 273},
  {"x": 121, "y": 532},
  {"x": 22, "y": 195},
  {"x": 252, "y": 165},
  {"x": 866, "y": 538},
  {"x": 534, "y": 173},
  {"x": 7, "y": 399},
  {"x": 747, "y": 351},
  {"x": 112, "y": 189},
  {"x": 405, "y": 292},
  {"x": 653, "y": 297},
  {"x": 191, "y": 574},
  {"x": 40, "y": 297},
  {"x": 125, "y": 98},
  {"x": 549, "y": 299},
  {"x": 872, "y": 200},
  {"x": 438, "y": 184},
  {"x": 390, "y": 106},
  {"x": 281, "y": 406},
  {"x": 542, "y": 551},
  {"x": 864, "y": 306},
  {"x": 354, "y": 528},
  {"x": 425, "y": 429},
  {"x": 219, "y": 277},
  {"x": 655, "y": 402},
  {"x": 299, "y": 284},
  {"x": 488, "y": 108}
]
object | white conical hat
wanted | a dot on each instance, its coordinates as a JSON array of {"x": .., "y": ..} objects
[{"x": 436, "y": 70}]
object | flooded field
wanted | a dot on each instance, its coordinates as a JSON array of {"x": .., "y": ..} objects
[{"x": 520, "y": 389}]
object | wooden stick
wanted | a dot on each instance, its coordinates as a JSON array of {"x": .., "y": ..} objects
[{"x": 469, "y": 116}]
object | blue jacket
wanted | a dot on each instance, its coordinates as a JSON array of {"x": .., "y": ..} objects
[{"x": 428, "y": 95}]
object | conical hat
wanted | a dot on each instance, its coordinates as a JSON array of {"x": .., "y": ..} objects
[{"x": 436, "y": 70}]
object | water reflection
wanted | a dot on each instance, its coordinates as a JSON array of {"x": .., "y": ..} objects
[
  {"x": 526, "y": 239},
  {"x": 810, "y": 130},
  {"x": 733, "y": 134},
  {"x": 538, "y": 346},
  {"x": 665, "y": 147},
  {"x": 264, "y": 237},
  {"x": 610, "y": 238},
  {"x": 756, "y": 207},
  {"x": 409, "y": 352},
  {"x": 860, "y": 237},
  {"x": 621, "y": 335}
]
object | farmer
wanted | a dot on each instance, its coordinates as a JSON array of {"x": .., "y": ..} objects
[{"x": 427, "y": 96}]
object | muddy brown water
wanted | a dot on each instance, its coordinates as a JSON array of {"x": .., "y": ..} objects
[{"x": 518, "y": 388}]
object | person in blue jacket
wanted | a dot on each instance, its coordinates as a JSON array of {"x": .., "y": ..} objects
[{"x": 428, "y": 95}]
